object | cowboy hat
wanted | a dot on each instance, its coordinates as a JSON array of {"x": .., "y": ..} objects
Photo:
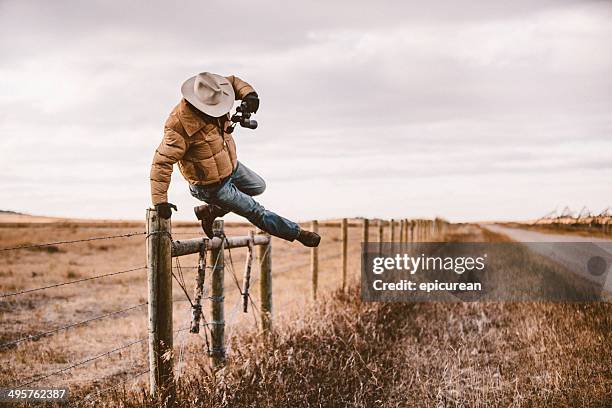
[{"x": 209, "y": 93}]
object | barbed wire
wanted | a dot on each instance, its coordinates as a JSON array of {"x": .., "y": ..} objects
[
  {"x": 42, "y": 245},
  {"x": 104, "y": 390},
  {"x": 33, "y": 380},
  {"x": 5, "y": 295},
  {"x": 180, "y": 279},
  {"x": 70, "y": 326},
  {"x": 182, "y": 338},
  {"x": 233, "y": 313}
]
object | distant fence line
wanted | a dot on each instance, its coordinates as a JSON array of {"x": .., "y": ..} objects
[{"x": 161, "y": 248}]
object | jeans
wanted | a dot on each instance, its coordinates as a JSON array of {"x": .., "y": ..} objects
[{"x": 235, "y": 195}]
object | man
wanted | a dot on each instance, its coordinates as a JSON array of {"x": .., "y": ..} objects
[{"x": 196, "y": 137}]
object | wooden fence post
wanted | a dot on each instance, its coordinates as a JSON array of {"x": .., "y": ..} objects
[
  {"x": 314, "y": 262},
  {"x": 264, "y": 253},
  {"x": 217, "y": 263},
  {"x": 159, "y": 276},
  {"x": 381, "y": 235},
  {"x": 401, "y": 231},
  {"x": 392, "y": 232},
  {"x": 344, "y": 238},
  {"x": 412, "y": 227},
  {"x": 365, "y": 238}
]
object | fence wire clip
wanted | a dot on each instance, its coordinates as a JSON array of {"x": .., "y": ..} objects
[
  {"x": 217, "y": 298},
  {"x": 159, "y": 233},
  {"x": 214, "y": 351}
]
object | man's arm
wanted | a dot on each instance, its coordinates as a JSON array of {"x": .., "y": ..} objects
[
  {"x": 171, "y": 150},
  {"x": 241, "y": 88}
]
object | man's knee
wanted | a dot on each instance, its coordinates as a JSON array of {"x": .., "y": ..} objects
[{"x": 259, "y": 188}]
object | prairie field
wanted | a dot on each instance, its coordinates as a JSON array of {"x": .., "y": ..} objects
[{"x": 337, "y": 351}]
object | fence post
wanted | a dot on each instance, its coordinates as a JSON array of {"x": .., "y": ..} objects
[
  {"x": 344, "y": 238},
  {"x": 381, "y": 235},
  {"x": 314, "y": 262},
  {"x": 365, "y": 238},
  {"x": 392, "y": 232},
  {"x": 412, "y": 227},
  {"x": 217, "y": 263},
  {"x": 401, "y": 231},
  {"x": 159, "y": 277},
  {"x": 264, "y": 253}
]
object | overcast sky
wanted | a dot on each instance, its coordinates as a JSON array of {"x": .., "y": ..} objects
[{"x": 469, "y": 110}]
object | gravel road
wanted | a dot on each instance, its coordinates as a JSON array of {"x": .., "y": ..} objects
[{"x": 588, "y": 257}]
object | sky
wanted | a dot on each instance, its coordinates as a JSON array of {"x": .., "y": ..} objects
[{"x": 471, "y": 110}]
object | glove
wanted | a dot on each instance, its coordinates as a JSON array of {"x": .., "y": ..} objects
[
  {"x": 252, "y": 102},
  {"x": 164, "y": 210}
]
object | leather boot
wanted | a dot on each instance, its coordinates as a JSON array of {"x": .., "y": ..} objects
[
  {"x": 309, "y": 238},
  {"x": 207, "y": 214}
]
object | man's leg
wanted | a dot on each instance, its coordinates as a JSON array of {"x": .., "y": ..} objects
[
  {"x": 229, "y": 197},
  {"x": 247, "y": 181}
]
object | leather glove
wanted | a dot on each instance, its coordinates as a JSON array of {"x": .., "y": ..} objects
[
  {"x": 252, "y": 101},
  {"x": 164, "y": 210}
]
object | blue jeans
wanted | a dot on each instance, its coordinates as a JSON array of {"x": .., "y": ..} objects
[{"x": 235, "y": 195}]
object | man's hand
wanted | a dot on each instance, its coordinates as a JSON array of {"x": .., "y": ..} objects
[
  {"x": 252, "y": 101},
  {"x": 164, "y": 210}
]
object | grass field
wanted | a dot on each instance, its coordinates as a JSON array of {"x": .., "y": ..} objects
[{"x": 337, "y": 352}]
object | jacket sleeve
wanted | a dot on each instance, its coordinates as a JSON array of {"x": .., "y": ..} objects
[
  {"x": 171, "y": 150},
  {"x": 241, "y": 88}
]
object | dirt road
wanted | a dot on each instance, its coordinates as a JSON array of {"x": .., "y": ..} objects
[{"x": 588, "y": 257}]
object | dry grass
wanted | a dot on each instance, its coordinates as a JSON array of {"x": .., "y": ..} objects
[{"x": 338, "y": 352}]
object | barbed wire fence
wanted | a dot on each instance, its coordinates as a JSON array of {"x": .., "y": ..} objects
[
  {"x": 408, "y": 230},
  {"x": 5, "y": 346},
  {"x": 179, "y": 278}
]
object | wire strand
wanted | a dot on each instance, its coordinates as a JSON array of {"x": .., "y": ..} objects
[
  {"x": 80, "y": 363},
  {"x": 70, "y": 326},
  {"x": 103, "y": 390},
  {"x": 130, "y": 234},
  {"x": 5, "y": 295}
]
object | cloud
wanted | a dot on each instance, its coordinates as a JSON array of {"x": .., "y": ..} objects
[{"x": 352, "y": 94}]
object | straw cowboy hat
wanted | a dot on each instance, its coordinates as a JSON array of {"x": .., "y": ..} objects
[{"x": 209, "y": 93}]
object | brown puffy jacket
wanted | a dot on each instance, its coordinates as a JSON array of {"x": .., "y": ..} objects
[{"x": 205, "y": 153}]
